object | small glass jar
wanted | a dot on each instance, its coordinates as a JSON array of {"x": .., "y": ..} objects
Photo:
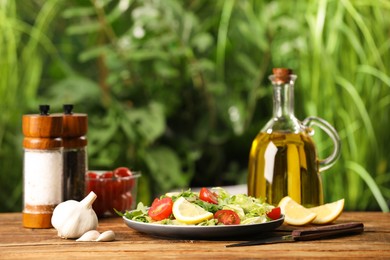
[{"x": 42, "y": 167}]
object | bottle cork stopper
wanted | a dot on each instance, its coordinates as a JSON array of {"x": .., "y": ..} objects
[
  {"x": 282, "y": 75},
  {"x": 75, "y": 127}
]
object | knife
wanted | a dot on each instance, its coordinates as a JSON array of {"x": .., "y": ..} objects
[{"x": 309, "y": 234}]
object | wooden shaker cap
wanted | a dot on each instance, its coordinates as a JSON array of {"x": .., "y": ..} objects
[
  {"x": 42, "y": 131},
  {"x": 74, "y": 125},
  {"x": 42, "y": 126},
  {"x": 282, "y": 75}
]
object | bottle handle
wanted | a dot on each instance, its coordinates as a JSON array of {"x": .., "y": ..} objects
[{"x": 332, "y": 133}]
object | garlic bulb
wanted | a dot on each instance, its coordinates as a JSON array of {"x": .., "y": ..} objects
[{"x": 72, "y": 218}]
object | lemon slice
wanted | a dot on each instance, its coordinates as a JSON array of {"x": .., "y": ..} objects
[
  {"x": 328, "y": 213},
  {"x": 294, "y": 213},
  {"x": 171, "y": 194},
  {"x": 189, "y": 213}
]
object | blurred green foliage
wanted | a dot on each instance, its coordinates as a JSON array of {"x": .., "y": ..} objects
[{"x": 178, "y": 89}]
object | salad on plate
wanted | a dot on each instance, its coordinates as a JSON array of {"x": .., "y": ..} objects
[{"x": 208, "y": 207}]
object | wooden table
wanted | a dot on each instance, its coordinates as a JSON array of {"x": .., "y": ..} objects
[{"x": 17, "y": 242}]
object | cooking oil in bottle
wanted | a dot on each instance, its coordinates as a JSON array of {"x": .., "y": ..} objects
[
  {"x": 284, "y": 164},
  {"x": 283, "y": 159}
]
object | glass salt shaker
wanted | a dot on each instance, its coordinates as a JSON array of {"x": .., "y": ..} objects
[
  {"x": 75, "y": 128},
  {"x": 42, "y": 167}
]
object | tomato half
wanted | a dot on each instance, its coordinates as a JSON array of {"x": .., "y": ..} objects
[
  {"x": 227, "y": 217},
  {"x": 161, "y": 209},
  {"x": 208, "y": 196},
  {"x": 274, "y": 213}
]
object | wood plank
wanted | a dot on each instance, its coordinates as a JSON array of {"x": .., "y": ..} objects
[{"x": 17, "y": 242}]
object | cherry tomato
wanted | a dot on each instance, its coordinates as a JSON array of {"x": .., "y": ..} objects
[
  {"x": 122, "y": 172},
  {"x": 92, "y": 175},
  {"x": 161, "y": 209},
  {"x": 129, "y": 200},
  {"x": 113, "y": 190},
  {"x": 107, "y": 175},
  {"x": 117, "y": 188},
  {"x": 108, "y": 188},
  {"x": 227, "y": 217},
  {"x": 208, "y": 196},
  {"x": 92, "y": 183},
  {"x": 121, "y": 203},
  {"x": 274, "y": 213},
  {"x": 102, "y": 185},
  {"x": 125, "y": 173}
]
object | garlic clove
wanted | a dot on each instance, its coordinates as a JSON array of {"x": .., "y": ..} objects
[
  {"x": 106, "y": 236},
  {"x": 91, "y": 235}
]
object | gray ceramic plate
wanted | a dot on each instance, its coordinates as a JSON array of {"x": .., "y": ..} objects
[{"x": 203, "y": 232}]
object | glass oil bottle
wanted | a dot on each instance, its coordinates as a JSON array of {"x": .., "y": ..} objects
[{"x": 283, "y": 159}]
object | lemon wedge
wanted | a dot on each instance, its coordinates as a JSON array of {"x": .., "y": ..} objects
[
  {"x": 328, "y": 213},
  {"x": 189, "y": 213},
  {"x": 294, "y": 213}
]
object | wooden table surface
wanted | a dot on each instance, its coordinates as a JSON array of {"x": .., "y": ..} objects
[{"x": 17, "y": 242}]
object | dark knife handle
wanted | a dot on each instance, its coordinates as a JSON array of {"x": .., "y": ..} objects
[{"x": 326, "y": 231}]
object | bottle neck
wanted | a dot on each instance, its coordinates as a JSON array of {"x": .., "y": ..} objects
[
  {"x": 283, "y": 100},
  {"x": 283, "y": 106}
]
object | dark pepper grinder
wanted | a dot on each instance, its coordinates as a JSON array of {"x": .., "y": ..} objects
[{"x": 75, "y": 128}]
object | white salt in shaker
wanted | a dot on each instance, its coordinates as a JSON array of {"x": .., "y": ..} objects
[{"x": 42, "y": 169}]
